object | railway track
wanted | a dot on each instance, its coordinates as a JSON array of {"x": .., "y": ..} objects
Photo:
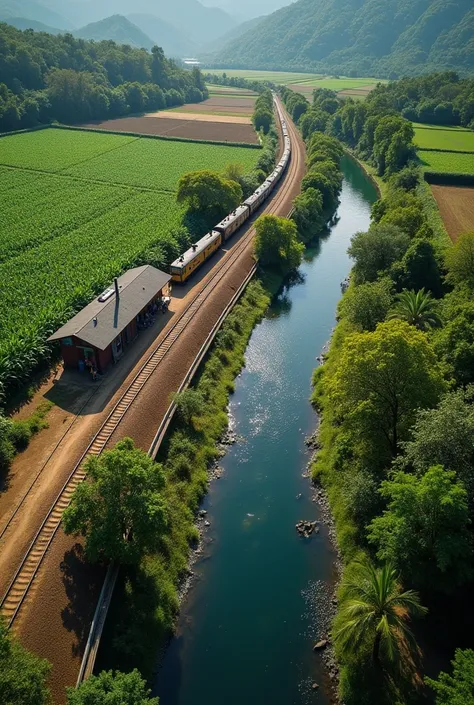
[{"x": 18, "y": 589}]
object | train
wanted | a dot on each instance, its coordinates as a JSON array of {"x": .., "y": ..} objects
[{"x": 185, "y": 266}]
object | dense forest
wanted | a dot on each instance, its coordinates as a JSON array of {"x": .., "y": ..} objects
[
  {"x": 46, "y": 78},
  {"x": 395, "y": 445},
  {"x": 385, "y": 39}
]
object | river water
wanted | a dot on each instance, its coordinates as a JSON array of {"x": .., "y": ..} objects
[{"x": 248, "y": 624}]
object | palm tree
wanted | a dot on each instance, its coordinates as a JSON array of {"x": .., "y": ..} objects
[
  {"x": 374, "y": 613},
  {"x": 417, "y": 308}
]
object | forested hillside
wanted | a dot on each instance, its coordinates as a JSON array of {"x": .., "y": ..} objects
[
  {"x": 117, "y": 28},
  {"x": 386, "y": 38},
  {"x": 46, "y": 77}
]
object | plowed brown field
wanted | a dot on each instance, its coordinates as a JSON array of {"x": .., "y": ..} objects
[
  {"x": 217, "y": 131},
  {"x": 456, "y": 205}
]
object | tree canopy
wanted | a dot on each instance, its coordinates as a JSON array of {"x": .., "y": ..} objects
[
  {"x": 119, "y": 508},
  {"x": 383, "y": 377},
  {"x": 424, "y": 531},
  {"x": 460, "y": 261},
  {"x": 45, "y": 77},
  {"x": 22, "y": 674},
  {"x": 112, "y": 688},
  {"x": 375, "y": 251},
  {"x": 276, "y": 244},
  {"x": 206, "y": 191},
  {"x": 456, "y": 688}
]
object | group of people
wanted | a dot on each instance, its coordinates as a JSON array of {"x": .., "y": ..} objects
[{"x": 92, "y": 367}]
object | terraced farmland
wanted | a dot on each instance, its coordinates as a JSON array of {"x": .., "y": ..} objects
[{"x": 78, "y": 208}]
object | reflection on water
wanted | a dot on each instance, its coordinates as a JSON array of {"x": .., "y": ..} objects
[{"x": 248, "y": 625}]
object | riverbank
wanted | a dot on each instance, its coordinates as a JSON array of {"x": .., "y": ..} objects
[
  {"x": 351, "y": 493},
  {"x": 147, "y": 599},
  {"x": 261, "y": 596}
]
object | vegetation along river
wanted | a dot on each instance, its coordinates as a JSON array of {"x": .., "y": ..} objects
[{"x": 248, "y": 624}]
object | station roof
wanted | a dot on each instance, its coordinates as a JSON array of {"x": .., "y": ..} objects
[{"x": 100, "y": 322}]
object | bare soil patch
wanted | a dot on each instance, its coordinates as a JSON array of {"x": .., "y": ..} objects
[
  {"x": 363, "y": 91},
  {"x": 456, "y": 205},
  {"x": 218, "y": 129},
  {"x": 224, "y": 102},
  {"x": 178, "y": 115},
  {"x": 218, "y": 110}
]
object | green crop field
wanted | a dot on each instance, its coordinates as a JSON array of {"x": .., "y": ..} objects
[
  {"x": 340, "y": 84},
  {"x": 78, "y": 208},
  {"x": 282, "y": 77},
  {"x": 447, "y": 162},
  {"x": 457, "y": 140}
]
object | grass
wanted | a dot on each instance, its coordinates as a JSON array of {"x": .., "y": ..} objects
[
  {"x": 340, "y": 84},
  {"x": 54, "y": 150},
  {"x": 97, "y": 204},
  {"x": 282, "y": 77},
  {"x": 145, "y": 603},
  {"x": 447, "y": 162},
  {"x": 456, "y": 140}
]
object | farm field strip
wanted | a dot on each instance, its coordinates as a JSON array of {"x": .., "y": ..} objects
[
  {"x": 337, "y": 84},
  {"x": 456, "y": 205},
  {"x": 456, "y": 140},
  {"x": 65, "y": 233},
  {"x": 450, "y": 128},
  {"x": 159, "y": 164},
  {"x": 54, "y": 150},
  {"x": 59, "y": 206},
  {"x": 45, "y": 285},
  {"x": 447, "y": 162}
]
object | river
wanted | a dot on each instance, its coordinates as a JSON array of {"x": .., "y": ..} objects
[{"x": 248, "y": 624}]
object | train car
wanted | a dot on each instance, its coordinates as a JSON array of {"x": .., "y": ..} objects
[
  {"x": 186, "y": 265},
  {"x": 233, "y": 221},
  {"x": 182, "y": 268},
  {"x": 258, "y": 197}
]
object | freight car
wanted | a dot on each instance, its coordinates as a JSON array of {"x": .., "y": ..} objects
[{"x": 182, "y": 268}]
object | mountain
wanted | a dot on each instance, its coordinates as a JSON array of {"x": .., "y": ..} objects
[
  {"x": 32, "y": 10},
  {"x": 232, "y": 36},
  {"x": 22, "y": 23},
  {"x": 171, "y": 40},
  {"x": 248, "y": 8},
  {"x": 199, "y": 23},
  {"x": 117, "y": 28},
  {"x": 385, "y": 38}
]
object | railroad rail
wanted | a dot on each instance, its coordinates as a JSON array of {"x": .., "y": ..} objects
[{"x": 18, "y": 589}]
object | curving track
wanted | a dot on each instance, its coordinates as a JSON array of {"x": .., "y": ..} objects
[{"x": 19, "y": 586}]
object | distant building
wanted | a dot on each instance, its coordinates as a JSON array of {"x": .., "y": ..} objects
[
  {"x": 102, "y": 331},
  {"x": 191, "y": 62}
]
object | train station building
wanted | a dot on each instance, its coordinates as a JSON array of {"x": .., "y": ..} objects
[{"x": 100, "y": 334}]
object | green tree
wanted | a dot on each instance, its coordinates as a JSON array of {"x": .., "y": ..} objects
[
  {"x": 444, "y": 436},
  {"x": 455, "y": 341},
  {"x": 308, "y": 214},
  {"x": 312, "y": 121},
  {"x": 458, "y": 688},
  {"x": 119, "y": 509},
  {"x": 22, "y": 674},
  {"x": 460, "y": 261},
  {"x": 419, "y": 268},
  {"x": 407, "y": 218},
  {"x": 416, "y": 308},
  {"x": 112, "y": 688},
  {"x": 375, "y": 251},
  {"x": 207, "y": 191},
  {"x": 424, "y": 531},
  {"x": 276, "y": 243},
  {"x": 262, "y": 120},
  {"x": 367, "y": 305},
  {"x": 382, "y": 379},
  {"x": 374, "y": 615}
]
